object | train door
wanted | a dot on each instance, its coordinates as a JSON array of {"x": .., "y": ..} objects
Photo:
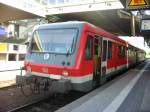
[
  {"x": 97, "y": 61},
  {"x": 104, "y": 60}
]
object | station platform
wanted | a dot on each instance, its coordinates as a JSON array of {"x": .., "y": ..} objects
[{"x": 129, "y": 92}]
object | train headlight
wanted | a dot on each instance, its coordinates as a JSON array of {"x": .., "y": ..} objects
[
  {"x": 65, "y": 73},
  {"x": 29, "y": 69}
]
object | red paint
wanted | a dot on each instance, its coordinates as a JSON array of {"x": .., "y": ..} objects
[{"x": 84, "y": 67}]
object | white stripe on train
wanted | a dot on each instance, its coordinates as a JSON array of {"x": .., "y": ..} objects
[{"x": 79, "y": 79}]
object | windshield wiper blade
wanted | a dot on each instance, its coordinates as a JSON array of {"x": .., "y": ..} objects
[
  {"x": 72, "y": 44},
  {"x": 69, "y": 51}
]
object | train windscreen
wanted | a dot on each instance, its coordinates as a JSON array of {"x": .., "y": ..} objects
[{"x": 54, "y": 40}]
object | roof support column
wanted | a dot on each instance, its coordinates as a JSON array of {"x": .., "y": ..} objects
[{"x": 133, "y": 25}]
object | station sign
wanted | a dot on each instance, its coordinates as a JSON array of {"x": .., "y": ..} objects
[
  {"x": 145, "y": 25},
  {"x": 137, "y": 4}
]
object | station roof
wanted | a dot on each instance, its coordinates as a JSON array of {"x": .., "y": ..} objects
[
  {"x": 8, "y": 13},
  {"x": 115, "y": 21}
]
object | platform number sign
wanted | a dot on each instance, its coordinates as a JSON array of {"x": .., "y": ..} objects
[{"x": 137, "y": 4}]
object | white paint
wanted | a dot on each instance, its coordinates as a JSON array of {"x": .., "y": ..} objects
[
  {"x": 10, "y": 65},
  {"x": 51, "y": 76},
  {"x": 22, "y": 49},
  {"x": 115, "y": 104},
  {"x": 81, "y": 79},
  {"x": 104, "y": 63},
  {"x": 81, "y": 7},
  {"x": 136, "y": 41},
  {"x": 121, "y": 67},
  {"x": 78, "y": 79},
  {"x": 110, "y": 70},
  {"x": 30, "y": 6}
]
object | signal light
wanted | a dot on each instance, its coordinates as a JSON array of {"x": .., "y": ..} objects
[
  {"x": 65, "y": 73},
  {"x": 29, "y": 69}
]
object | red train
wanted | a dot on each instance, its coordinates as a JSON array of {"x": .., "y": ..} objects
[{"x": 77, "y": 55}]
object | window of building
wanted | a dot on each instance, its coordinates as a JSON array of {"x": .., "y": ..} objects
[
  {"x": 2, "y": 57},
  {"x": 12, "y": 57},
  {"x": 60, "y": 1},
  {"x": 88, "y": 49},
  {"x": 21, "y": 57},
  {"x": 109, "y": 49},
  {"x": 15, "y": 47},
  {"x": 52, "y": 2}
]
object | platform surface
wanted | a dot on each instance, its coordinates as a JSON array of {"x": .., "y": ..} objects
[{"x": 129, "y": 92}]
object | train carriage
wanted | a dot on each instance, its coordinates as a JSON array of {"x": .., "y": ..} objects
[{"x": 77, "y": 54}]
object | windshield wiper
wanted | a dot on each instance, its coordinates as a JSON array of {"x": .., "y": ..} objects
[
  {"x": 72, "y": 44},
  {"x": 69, "y": 51}
]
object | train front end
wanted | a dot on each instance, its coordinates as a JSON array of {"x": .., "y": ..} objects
[{"x": 52, "y": 56}]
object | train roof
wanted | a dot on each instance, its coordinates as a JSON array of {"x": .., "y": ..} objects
[
  {"x": 69, "y": 24},
  {"x": 80, "y": 24}
]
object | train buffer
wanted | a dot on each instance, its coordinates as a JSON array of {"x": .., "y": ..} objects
[{"x": 129, "y": 92}]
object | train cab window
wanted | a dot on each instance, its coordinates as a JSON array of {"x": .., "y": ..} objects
[
  {"x": 109, "y": 50},
  {"x": 88, "y": 49},
  {"x": 60, "y": 41}
]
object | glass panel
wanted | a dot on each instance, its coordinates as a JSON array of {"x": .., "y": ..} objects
[
  {"x": 96, "y": 46},
  {"x": 52, "y": 2},
  {"x": 21, "y": 57},
  {"x": 104, "y": 49},
  {"x": 109, "y": 50},
  {"x": 12, "y": 57},
  {"x": 60, "y": 1},
  {"x": 88, "y": 49},
  {"x": 121, "y": 50},
  {"x": 54, "y": 41}
]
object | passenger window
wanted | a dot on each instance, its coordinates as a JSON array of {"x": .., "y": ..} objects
[
  {"x": 104, "y": 49},
  {"x": 96, "y": 47},
  {"x": 121, "y": 50},
  {"x": 88, "y": 49},
  {"x": 109, "y": 49}
]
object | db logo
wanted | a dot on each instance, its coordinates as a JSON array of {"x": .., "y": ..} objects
[{"x": 46, "y": 56}]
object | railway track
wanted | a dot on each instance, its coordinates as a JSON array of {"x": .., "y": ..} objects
[{"x": 49, "y": 104}]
